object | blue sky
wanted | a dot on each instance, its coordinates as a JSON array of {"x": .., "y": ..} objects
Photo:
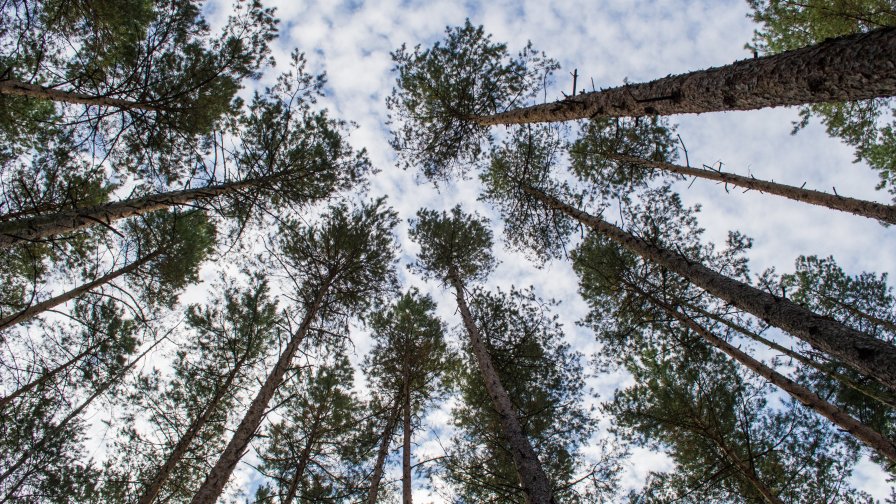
[{"x": 608, "y": 42}]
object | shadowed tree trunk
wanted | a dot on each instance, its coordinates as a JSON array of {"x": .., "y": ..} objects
[
  {"x": 381, "y": 454},
  {"x": 13, "y": 87},
  {"x": 34, "y": 310},
  {"x": 871, "y": 356},
  {"x": 870, "y": 209},
  {"x": 304, "y": 457},
  {"x": 743, "y": 467},
  {"x": 838, "y": 417},
  {"x": 214, "y": 483},
  {"x": 44, "y": 226},
  {"x": 406, "y": 450},
  {"x": 533, "y": 480},
  {"x": 853, "y": 67}
]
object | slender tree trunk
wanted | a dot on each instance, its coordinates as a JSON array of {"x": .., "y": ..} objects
[
  {"x": 43, "y": 306},
  {"x": 745, "y": 470},
  {"x": 183, "y": 444},
  {"x": 863, "y": 208},
  {"x": 48, "y": 375},
  {"x": 868, "y": 355},
  {"x": 876, "y": 395},
  {"x": 381, "y": 454},
  {"x": 37, "y": 449},
  {"x": 304, "y": 457},
  {"x": 533, "y": 480},
  {"x": 888, "y": 325},
  {"x": 853, "y": 67},
  {"x": 18, "y": 88},
  {"x": 47, "y": 225},
  {"x": 406, "y": 451},
  {"x": 214, "y": 483},
  {"x": 838, "y": 417}
]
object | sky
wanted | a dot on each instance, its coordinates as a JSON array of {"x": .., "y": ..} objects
[{"x": 609, "y": 42}]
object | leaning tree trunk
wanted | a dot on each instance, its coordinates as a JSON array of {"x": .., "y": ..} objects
[
  {"x": 838, "y": 417},
  {"x": 214, "y": 483},
  {"x": 533, "y": 480},
  {"x": 381, "y": 454},
  {"x": 742, "y": 467},
  {"x": 864, "y": 208},
  {"x": 34, "y": 310},
  {"x": 304, "y": 458},
  {"x": 854, "y": 67},
  {"x": 37, "y": 449},
  {"x": 183, "y": 444},
  {"x": 13, "y": 87},
  {"x": 406, "y": 446},
  {"x": 47, "y": 225},
  {"x": 871, "y": 356}
]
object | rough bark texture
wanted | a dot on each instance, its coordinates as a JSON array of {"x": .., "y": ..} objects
[
  {"x": 406, "y": 451},
  {"x": 840, "y": 418},
  {"x": 44, "y": 226},
  {"x": 214, "y": 483},
  {"x": 34, "y": 310},
  {"x": 854, "y": 67},
  {"x": 864, "y": 208},
  {"x": 18, "y": 88},
  {"x": 533, "y": 480},
  {"x": 183, "y": 444},
  {"x": 381, "y": 454},
  {"x": 871, "y": 356}
]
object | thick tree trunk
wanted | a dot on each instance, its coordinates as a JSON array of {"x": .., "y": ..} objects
[
  {"x": 873, "y": 357},
  {"x": 183, "y": 444},
  {"x": 37, "y": 449},
  {"x": 18, "y": 88},
  {"x": 864, "y": 208},
  {"x": 44, "y": 226},
  {"x": 822, "y": 368},
  {"x": 214, "y": 483},
  {"x": 838, "y": 417},
  {"x": 406, "y": 451},
  {"x": 854, "y": 67},
  {"x": 381, "y": 454},
  {"x": 533, "y": 480},
  {"x": 34, "y": 310}
]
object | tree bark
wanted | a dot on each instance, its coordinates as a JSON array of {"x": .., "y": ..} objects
[
  {"x": 853, "y": 67},
  {"x": 44, "y": 226},
  {"x": 304, "y": 457},
  {"x": 13, "y": 87},
  {"x": 873, "y": 357},
  {"x": 382, "y": 453},
  {"x": 214, "y": 483},
  {"x": 838, "y": 417},
  {"x": 406, "y": 451},
  {"x": 180, "y": 449},
  {"x": 745, "y": 470},
  {"x": 533, "y": 480},
  {"x": 43, "y": 306},
  {"x": 863, "y": 208}
]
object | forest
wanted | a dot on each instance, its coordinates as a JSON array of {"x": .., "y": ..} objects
[{"x": 207, "y": 296}]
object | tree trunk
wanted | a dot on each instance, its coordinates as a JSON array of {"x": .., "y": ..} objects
[
  {"x": 180, "y": 449},
  {"x": 870, "y": 209},
  {"x": 838, "y": 417},
  {"x": 214, "y": 483},
  {"x": 37, "y": 448},
  {"x": 44, "y": 226},
  {"x": 18, "y": 88},
  {"x": 304, "y": 457},
  {"x": 382, "y": 453},
  {"x": 853, "y": 67},
  {"x": 876, "y": 395},
  {"x": 868, "y": 355},
  {"x": 745, "y": 470},
  {"x": 406, "y": 451},
  {"x": 43, "y": 306},
  {"x": 533, "y": 480}
]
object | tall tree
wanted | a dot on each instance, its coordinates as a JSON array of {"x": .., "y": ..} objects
[
  {"x": 341, "y": 266},
  {"x": 408, "y": 360},
  {"x": 455, "y": 249}
]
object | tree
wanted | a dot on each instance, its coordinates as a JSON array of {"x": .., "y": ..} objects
[
  {"x": 311, "y": 454},
  {"x": 341, "y": 266},
  {"x": 787, "y": 24},
  {"x": 455, "y": 249},
  {"x": 408, "y": 360}
]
